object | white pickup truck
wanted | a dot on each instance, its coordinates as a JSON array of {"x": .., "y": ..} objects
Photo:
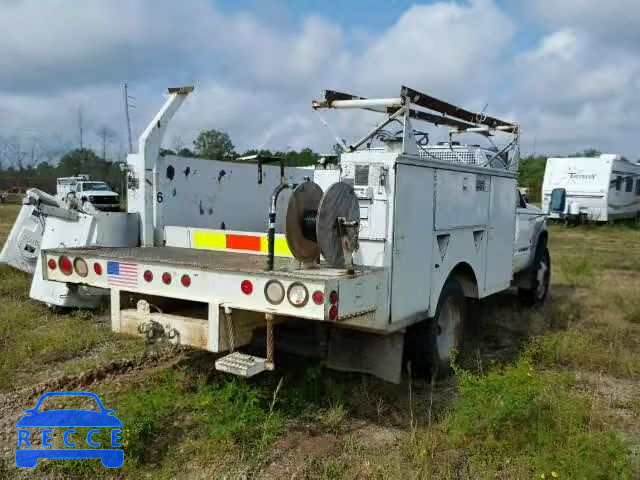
[
  {"x": 372, "y": 262},
  {"x": 96, "y": 193}
]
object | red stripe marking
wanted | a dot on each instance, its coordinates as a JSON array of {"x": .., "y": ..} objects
[{"x": 243, "y": 242}]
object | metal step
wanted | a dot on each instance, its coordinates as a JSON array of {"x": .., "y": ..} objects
[{"x": 241, "y": 364}]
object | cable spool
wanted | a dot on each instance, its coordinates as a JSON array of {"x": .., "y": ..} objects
[
  {"x": 311, "y": 225},
  {"x": 299, "y": 224}
]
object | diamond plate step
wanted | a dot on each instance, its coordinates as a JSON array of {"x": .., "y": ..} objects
[{"x": 241, "y": 364}]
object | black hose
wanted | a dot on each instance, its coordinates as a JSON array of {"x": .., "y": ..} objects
[{"x": 271, "y": 236}]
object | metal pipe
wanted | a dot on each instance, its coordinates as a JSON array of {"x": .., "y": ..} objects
[
  {"x": 361, "y": 103},
  {"x": 271, "y": 236},
  {"x": 391, "y": 118}
]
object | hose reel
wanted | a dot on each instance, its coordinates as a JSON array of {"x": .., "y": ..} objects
[{"x": 326, "y": 224}]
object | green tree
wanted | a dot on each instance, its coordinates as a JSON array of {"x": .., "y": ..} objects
[
  {"x": 77, "y": 161},
  {"x": 588, "y": 152},
  {"x": 215, "y": 145},
  {"x": 530, "y": 175}
]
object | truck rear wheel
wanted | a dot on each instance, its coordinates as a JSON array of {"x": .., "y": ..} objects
[
  {"x": 541, "y": 277},
  {"x": 431, "y": 343}
]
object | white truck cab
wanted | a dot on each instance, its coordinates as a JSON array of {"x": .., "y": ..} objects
[{"x": 377, "y": 259}]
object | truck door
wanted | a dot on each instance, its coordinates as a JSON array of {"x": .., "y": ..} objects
[
  {"x": 412, "y": 242},
  {"x": 525, "y": 220},
  {"x": 502, "y": 224}
]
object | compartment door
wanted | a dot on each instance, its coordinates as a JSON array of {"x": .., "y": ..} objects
[{"x": 412, "y": 242}]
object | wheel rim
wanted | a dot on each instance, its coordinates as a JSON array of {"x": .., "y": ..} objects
[
  {"x": 449, "y": 325},
  {"x": 542, "y": 277}
]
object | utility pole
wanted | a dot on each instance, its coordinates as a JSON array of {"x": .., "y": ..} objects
[
  {"x": 127, "y": 105},
  {"x": 80, "y": 124}
]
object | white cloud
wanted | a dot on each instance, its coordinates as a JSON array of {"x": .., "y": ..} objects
[
  {"x": 576, "y": 90},
  {"x": 255, "y": 77},
  {"x": 611, "y": 21}
]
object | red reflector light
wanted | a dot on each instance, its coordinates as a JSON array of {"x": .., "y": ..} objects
[
  {"x": 51, "y": 264},
  {"x": 333, "y": 313},
  {"x": 333, "y": 297},
  {"x": 97, "y": 268},
  {"x": 247, "y": 287},
  {"x": 147, "y": 275},
  {"x": 166, "y": 278},
  {"x": 65, "y": 265},
  {"x": 185, "y": 280},
  {"x": 318, "y": 297}
]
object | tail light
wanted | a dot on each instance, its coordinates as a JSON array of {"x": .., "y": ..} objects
[
  {"x": 166, "y": 278},
  {"x": 97, "y": 268},
  {"x": 274, "y": 292},
  {"x": 80, "y": 266},
  {"x": 247, "y": 287},
  {"x": 333, "y": 297},
  {"x": 317, "y": 297},
  {"x": 147, "y": 275},
  {"x": 185, "y": 280},
  {"x": 298, "y": 294},
  {"x": 65, "y": 265},
  {"x": 51, "y": 264},
  {"x": 333, "y": 312}
]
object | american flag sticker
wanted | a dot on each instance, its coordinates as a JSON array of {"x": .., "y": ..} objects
[{"x": 122, "y": 274}]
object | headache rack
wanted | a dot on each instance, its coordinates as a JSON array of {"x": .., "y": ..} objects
[{"x": 413, "y": 105}]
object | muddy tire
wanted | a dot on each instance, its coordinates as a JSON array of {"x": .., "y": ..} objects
[
  {"x": 540, "y": 281},
  {"x": 430, "y": 343}
]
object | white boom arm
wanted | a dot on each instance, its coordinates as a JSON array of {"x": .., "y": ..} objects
[{"x": 142, "y": 164}]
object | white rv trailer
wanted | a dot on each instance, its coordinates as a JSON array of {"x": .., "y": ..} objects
[
  {"x": 599, "y": 189},
  {"x": 384, "y": 249}
]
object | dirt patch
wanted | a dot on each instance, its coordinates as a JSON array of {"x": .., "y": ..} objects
[{"x": 303, "y": 453}]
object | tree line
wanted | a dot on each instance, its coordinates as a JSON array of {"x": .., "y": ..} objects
[
  {"x": 31, "y": 164},
  {"x": 22, "y": 167}
]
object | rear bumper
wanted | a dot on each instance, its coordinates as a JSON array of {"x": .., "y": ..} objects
[{"x": 357, "y": 293}]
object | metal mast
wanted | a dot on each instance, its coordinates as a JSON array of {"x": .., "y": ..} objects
[{"x": 126, "y": 112}]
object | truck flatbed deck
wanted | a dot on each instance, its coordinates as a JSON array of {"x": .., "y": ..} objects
[{"x": 209, "y": 260}]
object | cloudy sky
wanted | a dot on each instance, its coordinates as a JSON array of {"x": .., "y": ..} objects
[{"x": 567, "y": 70}]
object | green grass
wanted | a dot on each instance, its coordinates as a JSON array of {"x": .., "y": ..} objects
[
  {"x": 525, "y": 421},
  {"x": 525, "y": 415}
]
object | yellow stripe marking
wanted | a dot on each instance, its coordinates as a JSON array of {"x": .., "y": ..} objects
[{"x": 212, "y": 240}]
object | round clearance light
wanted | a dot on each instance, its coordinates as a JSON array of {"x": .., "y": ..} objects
[
  {"x": 51, "y": 264},
  {"x": 185, "y": 280},
  {"x": 97, "y": 268},
  {"x": 247, "y": 287},
  {"x": 166, "y": 278},
  {"x": 65, "y": 265},
  {"x": 298, "y": 294},
  {"x": 148, "y": 276},
  {"x": 333, "y": 313},
  {"x": 274, "y": 292},
  {"x": 317, "y": 297},
  {"x": 80, "y": 266},
  {"x": 333, "y": 297}
]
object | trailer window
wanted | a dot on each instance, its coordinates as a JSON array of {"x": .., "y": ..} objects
[
  {"x": 618, "y": 183},
  {"x": 629, "y": 184},
  {"x": 638, "y": 187}
]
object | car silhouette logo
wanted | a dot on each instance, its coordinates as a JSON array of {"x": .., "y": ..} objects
[{"x": 69, "y": 419}]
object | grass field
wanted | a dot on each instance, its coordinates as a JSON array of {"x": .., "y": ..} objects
[{"x": 548, "y": 393}]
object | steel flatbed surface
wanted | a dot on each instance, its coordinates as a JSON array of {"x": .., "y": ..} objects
[{"x": 209, "y": 260}]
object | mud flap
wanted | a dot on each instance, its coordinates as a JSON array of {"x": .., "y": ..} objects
[{"x": 375, "y": 354}]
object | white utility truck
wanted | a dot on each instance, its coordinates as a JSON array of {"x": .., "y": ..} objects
[
  {"x": 96, "y": 193},
  {"x": 392, "y": 242},
  {"x": 597, "y": 189}
]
